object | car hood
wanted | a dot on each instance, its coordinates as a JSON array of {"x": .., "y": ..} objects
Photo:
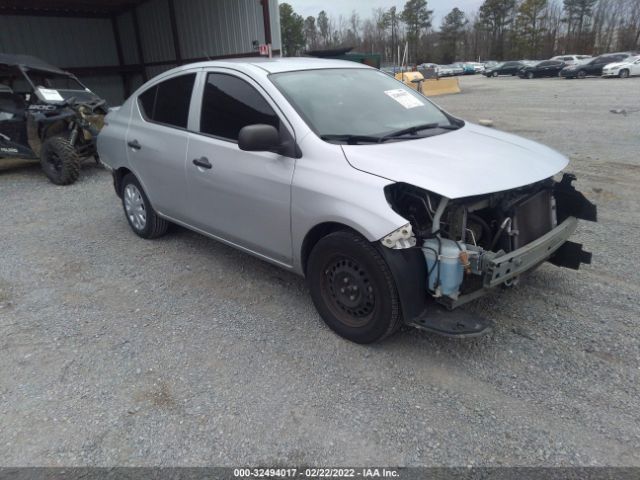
[{"x": 473, "y": 160}]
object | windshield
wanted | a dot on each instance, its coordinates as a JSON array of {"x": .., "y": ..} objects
[
  {"x": 56, "y": 87},
  {"x": 356, "y": 102},
  {"x": 54, "y": 80}
]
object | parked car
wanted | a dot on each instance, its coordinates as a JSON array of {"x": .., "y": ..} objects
[
  {"x": 390, "y": 207},
  {"x": 456, "y": 69},
  {"x": 490, "y": 64},
  {"x": 445, "y": 71},
  {"x": 429, "y": 70},
  {"x": 505, "y": 68},
  {"x": 594, "y": 66},
  {"x": 49, "y": 114},
  {"x": 466, "y": 68},
  {"x": 477, "y": 67},
  {"x": 625, "y": 69},
  {"x": 548, "y": 68},
  {"x": 571, "y": 59}
]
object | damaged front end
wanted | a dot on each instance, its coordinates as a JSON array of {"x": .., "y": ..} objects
[
  {"x": 470, "y": 245},
  {"x": 79, "y": 121}
]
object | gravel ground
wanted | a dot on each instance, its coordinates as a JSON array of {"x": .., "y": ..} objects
[{"x": 182, "y": 351}]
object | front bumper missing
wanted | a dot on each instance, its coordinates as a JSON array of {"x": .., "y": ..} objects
[{"x": 506, "y": 267}]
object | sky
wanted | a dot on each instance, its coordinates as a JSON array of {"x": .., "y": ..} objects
[{"x": 364, "y": 7}]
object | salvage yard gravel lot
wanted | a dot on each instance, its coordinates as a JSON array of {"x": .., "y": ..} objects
[{"x": 183, "y": 351}]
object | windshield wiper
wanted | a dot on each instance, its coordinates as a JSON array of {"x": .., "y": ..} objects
[
  {"x": 415, "y": 129},
  {"x": 351, "y": 139},
  {"x": 355, "y": 139}
]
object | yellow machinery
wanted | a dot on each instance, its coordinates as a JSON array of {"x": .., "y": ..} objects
[{"x": 429, "y": 87}]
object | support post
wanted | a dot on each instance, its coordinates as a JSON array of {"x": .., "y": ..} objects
[
  {"x": 267, "y": 21},
  {"x": 126, "y": 81},
  {"x": 136, "y": 30},
  {"x": 174, "y": 31}
]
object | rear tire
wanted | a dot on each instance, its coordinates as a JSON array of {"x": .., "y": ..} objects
[
  {"x": 60, "y": 161},
  {"x": 624, "y": 73},
  {"x": 142, "y": 218},
  {"x": 353, "y": 289}
]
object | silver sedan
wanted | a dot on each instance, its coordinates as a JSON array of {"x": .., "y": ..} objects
[{"x": 394, "y": 210}]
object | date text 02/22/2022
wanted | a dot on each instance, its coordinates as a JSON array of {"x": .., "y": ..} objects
[{"x": 315, "y": 473}]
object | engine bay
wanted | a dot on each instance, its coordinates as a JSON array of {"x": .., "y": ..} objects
[{"x": 464, "y": 241}]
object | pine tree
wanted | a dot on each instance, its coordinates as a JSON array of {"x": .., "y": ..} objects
[
  {"x": 451, "y": 33},
  {"x": 292, "y": 28},
  {"x": 417, "y": 17}
]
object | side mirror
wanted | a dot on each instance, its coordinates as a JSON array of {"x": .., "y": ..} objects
[{"x": 259, "y": 138}]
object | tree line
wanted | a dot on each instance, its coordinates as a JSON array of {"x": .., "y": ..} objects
[{"x": 498, "y": 30}]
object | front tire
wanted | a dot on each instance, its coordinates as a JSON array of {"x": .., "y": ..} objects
[
  {"x": 495, "y": 74},
  {"x": 582, "y": 75},
  {"x": 530, "y": 75},
  {"x": 624, "y": 73},
  {"x": 142, "y": 218},
  {"x": 60, "y": 161},
  {"x": 353, "y": 289}
]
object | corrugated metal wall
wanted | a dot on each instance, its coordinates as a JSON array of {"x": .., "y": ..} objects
[
  {"x": 206, "y": 28},
  {"x": 66, "y": 42},
  {"x": 69, "y": 42}
]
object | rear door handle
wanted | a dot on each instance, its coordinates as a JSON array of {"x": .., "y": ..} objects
[
  {"x": 134, "y": 144},
  {"x": 202, "y": 162}
]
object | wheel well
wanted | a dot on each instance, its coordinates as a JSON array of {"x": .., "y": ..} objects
[
  {"x": 118, "y": 176},
  {"x": 315, "y": 235}
]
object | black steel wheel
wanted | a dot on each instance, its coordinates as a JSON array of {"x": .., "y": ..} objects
[
  {"x": 59, "y": 161},
  {"x": 352, "y": 288}
]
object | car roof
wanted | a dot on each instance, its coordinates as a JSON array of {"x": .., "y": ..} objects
[{"x": 276, "y": 64}]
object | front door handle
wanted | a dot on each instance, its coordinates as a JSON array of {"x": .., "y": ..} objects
[
  {"x": 134, "y": 144},
  {"x": 202, "y": 162}
]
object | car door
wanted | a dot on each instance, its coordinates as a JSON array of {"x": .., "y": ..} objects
[
  {"x": 542, "y": 69},
  {"x": 157, "y": 142},
  {"x": 552, "y": 68},
  {"x": 593, "y": 66},
  {"x": 241, "y": 197},
  {"x": 635, "y": 67}
]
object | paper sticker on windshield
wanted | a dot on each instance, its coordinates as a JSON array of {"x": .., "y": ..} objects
[
  {"x": 404, "y": 98},
  {"x": 51, "y": 95}
]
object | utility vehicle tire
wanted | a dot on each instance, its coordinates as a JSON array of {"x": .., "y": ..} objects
[
  {"x": 60, "y": 161},
  {"x": 624, "y": 73},
  {"x": 141, "y": 216},
  {"x": 582, "y": 74},
  {"x": 353, "y": 289}
]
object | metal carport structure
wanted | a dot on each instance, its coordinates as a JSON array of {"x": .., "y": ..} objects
[{"x": 115, "y": 45}]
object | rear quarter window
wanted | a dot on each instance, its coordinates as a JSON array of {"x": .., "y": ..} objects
[{"x": 168, "y": 102}]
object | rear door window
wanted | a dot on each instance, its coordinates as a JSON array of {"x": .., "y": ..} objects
[{"x": 168, "y": 102}]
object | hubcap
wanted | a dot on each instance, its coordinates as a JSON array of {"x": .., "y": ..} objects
[
  {"x": 134, "y": 206},
  {"x": 350, "y": 291}
]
